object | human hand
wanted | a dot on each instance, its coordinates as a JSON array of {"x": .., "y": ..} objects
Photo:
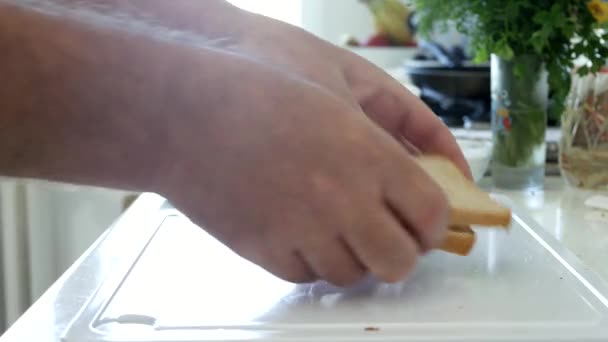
[
  {"x": 301, "y": 162},
  {"x": 295, "y": 179},
  {"x": 357, "y": 82},
  {"x": 272, "y": 158}
]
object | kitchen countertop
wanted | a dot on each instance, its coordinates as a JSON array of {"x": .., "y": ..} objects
[{"x": 560, "y": 211}]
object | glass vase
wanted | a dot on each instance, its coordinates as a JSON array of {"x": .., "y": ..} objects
[
  {"x": 584, "y": 143},
  {"x": 519, "y": 120}
]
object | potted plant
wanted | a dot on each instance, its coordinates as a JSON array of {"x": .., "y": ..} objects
[{"x": 532, "y": 45}]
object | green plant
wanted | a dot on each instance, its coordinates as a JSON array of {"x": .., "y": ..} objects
[
  {"x": 521, "y": 107},
  {"x": 556, "y": 31}
]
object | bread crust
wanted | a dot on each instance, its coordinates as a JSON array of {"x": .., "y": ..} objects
[
  {"x": 468, "y": 205},
  {"x": 501, "y": 219},
  {"x": 458, "y": 240}
]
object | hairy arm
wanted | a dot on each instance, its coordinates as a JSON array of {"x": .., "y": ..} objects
[
  {"x": 281, "y": 145},
  {"x": 86, "y": 96}
]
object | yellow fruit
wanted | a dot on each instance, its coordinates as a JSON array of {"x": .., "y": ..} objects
[{"x": 390, "y": 18}]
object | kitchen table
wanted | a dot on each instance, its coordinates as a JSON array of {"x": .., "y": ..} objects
[{"x": 560, "y": 210}]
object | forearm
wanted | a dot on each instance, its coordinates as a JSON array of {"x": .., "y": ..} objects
[
  {"x": 87, "y": 105},
  {"x": 216, "y": 20}
]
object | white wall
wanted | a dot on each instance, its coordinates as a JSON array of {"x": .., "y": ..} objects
[
  {"x": 44, "y": 228},
  {"x": 285, "y": 10},
  {"x": 331, "y": 19},
  {"x": 63, "y": 221}
]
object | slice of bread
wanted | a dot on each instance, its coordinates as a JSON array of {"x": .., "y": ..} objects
[
  {"x": 458, "y": 240},
  {"x": 469, "y": 205}
]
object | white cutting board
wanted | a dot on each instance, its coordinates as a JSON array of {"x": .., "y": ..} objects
[{"x": 185, "y": 286}]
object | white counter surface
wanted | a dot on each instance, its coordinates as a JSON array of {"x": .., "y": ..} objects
[{"x": 560, "y": 211}]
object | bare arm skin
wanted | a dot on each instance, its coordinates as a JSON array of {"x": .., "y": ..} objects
[
  {"x": 284, "y": 147},
  {"x": 82, "y": 104}
]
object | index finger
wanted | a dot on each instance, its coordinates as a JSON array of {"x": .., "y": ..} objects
[
  {"x": 420, "y": 126},
  {"x": 405, "y": 116}
]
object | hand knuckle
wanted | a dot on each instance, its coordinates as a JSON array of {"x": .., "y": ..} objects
[
  {"x": 347, "y": 278},
  {"x": 433, "y": 212},
  {"x": 398, "y": 267},
  {"x": 294, "y": 275}
]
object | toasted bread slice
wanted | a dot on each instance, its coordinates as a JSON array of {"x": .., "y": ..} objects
[
  {"x": 458, "y": 240},
  {"x": 469, "y": 205}
]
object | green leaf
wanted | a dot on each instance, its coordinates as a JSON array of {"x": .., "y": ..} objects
[
  {"x": 568, "y": 30},
  {"x": 519, "y": 70},
  {"x": 512, "y": 9},
  {"x": 481, "y": 56},
  {"x": 542, "y": 18},
  {"x": 557, "y": 17},
  {"x": 538, "y": 41},
  {"x": 579, "y": 49},
  {"x": 504, "y": 50}
]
